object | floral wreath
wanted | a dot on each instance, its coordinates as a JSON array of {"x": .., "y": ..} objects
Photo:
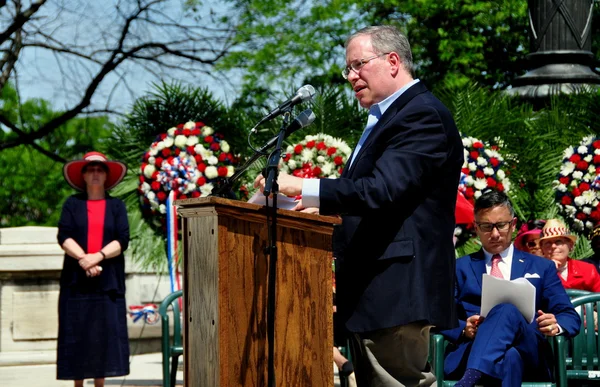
[
  {"x": 318, "y": 156},
  {"x": 483, "y": 168},
  {"x": 578, "y": 185},
  {"x": 187, "y": 159}
]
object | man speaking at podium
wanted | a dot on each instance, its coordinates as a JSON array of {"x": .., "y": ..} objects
[{"x": 396, "y": 196}]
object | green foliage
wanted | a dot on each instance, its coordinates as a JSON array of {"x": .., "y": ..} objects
[{"x": 33, "y": 187}]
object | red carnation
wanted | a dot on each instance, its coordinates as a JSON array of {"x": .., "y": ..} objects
[
  {"x": 576, "y": 192},
  {"x": 566, "y": 200},
  {"x": 297, "y": 172},
  {"x": 222, "y": 157},
  {"x": 215, "y": 146},
  {"x": 583, "y": 186},
  {"x": 595, "y": 215},
  {"x": 222, "y": 171},
  {"x": 166, "y": 152},
  {"x": 465, "y": 171},
  {"x": 317, "y": 171},
  {"x": 158, "y": 161},
  {"x": 479, "y": 174},
  {"x": 477, "y": 145},
  {"x": 469, "y": 192},
  {"x": 495, "y": 147},
  {"x": 337, "y": 160},
  {"x": 564, "y": 180},
  {"x": 201, "y": 181},
  {"x": 500, "y": 187},
  {"x": 581, "y": 216},
  {"x": 474, "y": 155},
  {"x": 190, "y": 150},
  {"x": 321, "y": 146},
  {"x": 201, "y": 167},
  {"x": 187, "y": 132},
  {"x": 597, "y": 159},
  {"x": 162, "y": 196},
  {"x": 596, "y": 144},
  {"x": 491, "y": 182},
  {"x": 208, "y": 139},
  {"x": 310, "y": 144},
  {"x": 494, "y": 161},
  {"x": 182, "y": 196},
  {"x": 163, "y": 136},
  {"x": 200, "y": 124},
  {"x": 340, "y": 170},
  {"x": 196, "y": 132},
  {"x": 198, "y": 159},
  {"x": 180, "y": 126},
  {"x": 177, "y": 151},
  {"x": 331, "y": 151},
  {"x": 142, "y": 178},
  {"x": 582, "y": 165},
  {"x": 155, "y": 186},
  {"x": 575, "y": 158},
  {"x": 298, "y": 149},
  {"x": 154, "y": 175},
  {"x": 287, "y": 157},
  {"x": 195, "y": 194}
]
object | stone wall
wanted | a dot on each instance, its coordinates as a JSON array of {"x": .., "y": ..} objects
[{"x": 30, "y": 265}]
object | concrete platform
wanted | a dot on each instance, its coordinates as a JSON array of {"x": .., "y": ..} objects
[{"x": 146, "y": 370}]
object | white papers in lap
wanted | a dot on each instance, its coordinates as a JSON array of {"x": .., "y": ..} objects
[
  {"x": 519, "y": 292},
  {"x": 283, "y": 201}
]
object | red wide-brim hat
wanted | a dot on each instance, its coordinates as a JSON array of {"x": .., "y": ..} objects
[{"x": 74, "y": 175}]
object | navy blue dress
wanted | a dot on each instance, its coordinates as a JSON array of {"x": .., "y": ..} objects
[{"x": 92, "y": 316}]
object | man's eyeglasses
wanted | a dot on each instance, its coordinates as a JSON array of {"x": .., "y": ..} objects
[
  {"x": 358, "y": 64},
  {"x": 500, "y": 226}
]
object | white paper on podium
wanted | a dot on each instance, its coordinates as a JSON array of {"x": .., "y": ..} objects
[
  {"x": 283, "y": 201},
  {"x": 519, "y": 292}
]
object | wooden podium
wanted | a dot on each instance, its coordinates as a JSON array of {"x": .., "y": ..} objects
[{"x": 225, "y": 295}]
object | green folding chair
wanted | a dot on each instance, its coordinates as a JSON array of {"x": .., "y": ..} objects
[
  {"x": 579, "y": 355},
  {"x": 171, "y": 350}
]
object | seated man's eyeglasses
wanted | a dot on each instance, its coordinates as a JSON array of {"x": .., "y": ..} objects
[
  {"x": 358, "y": 64},
  {"x": 500, "y": 226}
]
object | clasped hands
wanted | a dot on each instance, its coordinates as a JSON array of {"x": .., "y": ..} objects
[
  {"x": 89, "y": 263},
  {"x": 546, "y": 322},
  {"x": 288, "y": 185}
]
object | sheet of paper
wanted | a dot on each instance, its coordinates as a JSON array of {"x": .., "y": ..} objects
[
  {"x": 283, "y": 201},
  {"x": 519, "y": 292}
]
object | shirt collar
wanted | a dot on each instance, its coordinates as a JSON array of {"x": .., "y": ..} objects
[
  {"x": 506, "y": 255},
  {"x": 378, "y": 109}
]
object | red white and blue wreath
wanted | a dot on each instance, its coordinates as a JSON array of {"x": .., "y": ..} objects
[{"x": 578, "y": 185}]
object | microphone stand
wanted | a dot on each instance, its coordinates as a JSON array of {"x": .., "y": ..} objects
[{"x": 271, "y": 172}]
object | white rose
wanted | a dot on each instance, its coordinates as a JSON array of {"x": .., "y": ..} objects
[
  {"x": 480, "y": 184},
  {"x": 481, "y": 161},
  {"x": 162, "y": 209},
  {"x": 289, "y": 149},
  {"x": 320, "y": 159},
  {"x": 168, "y": 142},
  {"x": 477, "y": 194},
  {"x": 230, "y": 170},
  {"x": 307, "y": 155},
  {"x": 207, "y": 131},
  {"x": 153, "y": 152},
  {"x": 561, "y": 188},
  {"x": 189, "y": 188},
  {"x": 589, "y": 225},
  {"x": 180, "y": 141},
  {"x": 586, "y": 210},
  {"x": 587, "y": 140},
  {"x": 467, "y": 142},
  {"x": 191, "y": 141},
  {"x": 213, "y": 160},
  {"x": 570, "y": 209},
  {"x": 500, "y": 174},
  {"x": 211, "y": 172},
  {"x": 506, "y": 184},
  {"x": 145, "y": 187},
  {"x": 592, "y": 170},
  {"x": 472, "y": 167},
  {"x": 160, "y": 145},
  {"x": 469, "y": 180},
  {"x": 206, "y": 189},
  {"x": 149, "y": 171},
  {"x": 189, "y": 125},
  {"x": 327, "y": 168},
  {"x": 577, "y": 175},
  {"x": 151, "y": 160},
  {"x": 568, "y": 152},
  {"x": 567, "y": 168},
  {"x": 582, "y": 150},
  {"x": 171, "y": 132},
  {"x": 597, "y": 151},
  {"x": 579, "y": 200},
  {"x": 292, "y": 164},
  {"x": 488, "y": 171},
  {"x": 224, "y": 146},
  {"x": 588, "y": 158}
]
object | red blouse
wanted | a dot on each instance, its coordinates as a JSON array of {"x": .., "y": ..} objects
[{"x": 95, "y": 211}]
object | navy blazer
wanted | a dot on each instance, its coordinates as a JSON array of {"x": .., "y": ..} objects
[
  {"x": 550, "y": 297},
  {"x": 73, "y": 223},
  {"x": 394, "y": 247}
]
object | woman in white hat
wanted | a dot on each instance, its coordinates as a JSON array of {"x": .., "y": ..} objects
[
  {"x": 94, "y": 232},
  {"x": 557, "y": 243}
]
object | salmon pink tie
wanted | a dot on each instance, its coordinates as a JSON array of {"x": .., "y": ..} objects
[{"x": 495, "y": 269}]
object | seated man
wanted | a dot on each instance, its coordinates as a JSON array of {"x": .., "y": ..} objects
[{"x": 503, "y": 345}]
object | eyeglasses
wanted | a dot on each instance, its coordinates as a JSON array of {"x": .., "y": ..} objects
[
  {"x": 489, "y": 227},
  {"x": 358, "y": 64},
  {"x": 532, "y": 244},
  {"x": 557, "y": 242}
]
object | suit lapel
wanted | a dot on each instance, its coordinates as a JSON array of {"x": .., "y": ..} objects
[
  {"x": 519, "y": 265},
  {"x": 478, "y": 266},
  {"x": 394, "y": 108}
]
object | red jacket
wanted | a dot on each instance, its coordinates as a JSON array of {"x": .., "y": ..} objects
[{"x": 581, "y": 275}]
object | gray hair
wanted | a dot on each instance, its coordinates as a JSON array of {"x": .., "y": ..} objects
[{"x": 387, "y": 39}]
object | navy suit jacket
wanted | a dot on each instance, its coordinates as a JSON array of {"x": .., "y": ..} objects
[
  {"x": 550, "y": 297},
  {"x": 394, "y": 247}
]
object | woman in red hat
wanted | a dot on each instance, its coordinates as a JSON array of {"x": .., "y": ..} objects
[{"x": 94, "y": 232}]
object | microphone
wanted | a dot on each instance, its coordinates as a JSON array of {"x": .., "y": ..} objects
[
  {"x": 304, "y": 93},
  {"x": 304, "y": 119}
]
